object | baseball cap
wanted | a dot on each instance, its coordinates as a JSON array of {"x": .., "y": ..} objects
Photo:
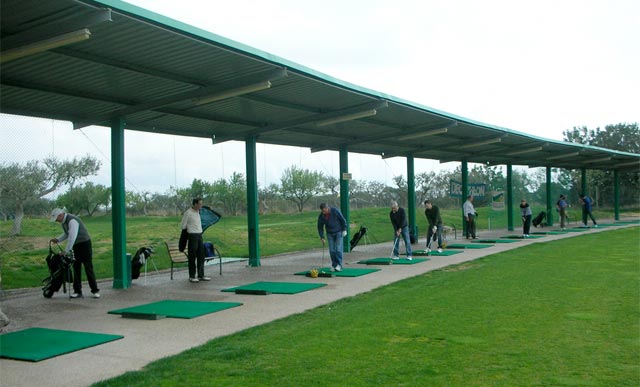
[{"x": 55, "y": 213}]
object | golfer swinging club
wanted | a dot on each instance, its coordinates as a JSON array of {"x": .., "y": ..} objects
[{"x": 332, "y": 220}]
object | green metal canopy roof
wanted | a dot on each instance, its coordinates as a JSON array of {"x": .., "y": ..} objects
[{"x": 92, "y": 61}]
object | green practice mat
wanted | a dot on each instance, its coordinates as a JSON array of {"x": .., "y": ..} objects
[
  {"x": 384, "y": 261},
  {"x": 495, "y": 241},
  {"x": 35, "y": 344},
  {"x": 628, "y": 222},
  {"x": 435, "y": 253},
  {"x": 346, "y": 272},
  {"x": 549, "y": 232},
  {"x": 520, "y": 237},
  {"x": 576, "y": 229},
  {"x": 175, "y": 309},
  {"x": 468, "y": 246},
  {"x": 276, "y": 287}
]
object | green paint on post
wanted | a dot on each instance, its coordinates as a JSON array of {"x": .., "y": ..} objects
[
  {"x": 252, "y": 202},
  {"x": 121, "y": 265},
  {"x": 344, "y": 195},
  {"x": 411, "y": 196}
]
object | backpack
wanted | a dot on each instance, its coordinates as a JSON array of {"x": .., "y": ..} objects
[{"x": 209, "y": 250}]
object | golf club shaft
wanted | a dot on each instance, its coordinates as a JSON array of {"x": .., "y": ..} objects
[{"x": 395, "y": 241}]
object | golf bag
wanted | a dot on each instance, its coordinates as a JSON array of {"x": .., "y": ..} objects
[
  {"x": 59, "y": 265},
  {"x": 357, "y": 236},
  {"x": 139, "y": 259},
  {"x": 539, "y": 219}
]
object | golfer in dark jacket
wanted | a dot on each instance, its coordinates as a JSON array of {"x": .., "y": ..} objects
[
  {"x": 78, "y": 240},
  {"x": 435, "y": 224},
  {"x": 400, "y": 227},
  {"x": 331, "y": 220}
]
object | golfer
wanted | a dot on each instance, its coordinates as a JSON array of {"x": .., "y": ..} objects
[
  {"x": 78, "y": 241},
  {"x": 400, "y": 228},
  {"x": 331, "y": 220}
]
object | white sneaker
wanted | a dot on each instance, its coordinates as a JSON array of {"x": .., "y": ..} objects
[
  {"x": 595, "y": 225},
  {"x": 76, "y": 295},
  {"x": 204, "y": 278},
  {"x": 338, "y": 268},
  {"x": 95, "y": 295},
  {"x": 409, "y": 258},
  {"x": 428, "y": 251},
  {"x": 194, "y": 280},
  {"x": 333, "y": 269},
  {"x": 439, "y": 250},
  {"x": 395, "y": 257}
]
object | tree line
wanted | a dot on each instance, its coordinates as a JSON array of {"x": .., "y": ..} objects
[{"x": 23, "y": 187}]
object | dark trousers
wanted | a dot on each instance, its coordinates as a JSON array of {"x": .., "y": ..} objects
[
  {"x": 471, "y": 226},
  {"x": 585, "y": 214},
  {"x": 526, "y": 224},
  {"x": 83, "y": 254},
  {"x": 195, "y": 255},
  {"x": 438, "y": 235}
]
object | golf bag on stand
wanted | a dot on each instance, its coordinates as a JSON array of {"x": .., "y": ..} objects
[
  {"x": 538, "y": 221},
  {"x": 139, "y": 260},
  {"x": 59, "y": 265},
  {"x": 357, "y": 236}
]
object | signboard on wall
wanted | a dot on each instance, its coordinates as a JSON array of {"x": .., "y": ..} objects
[{"x": 476, "y": 190}]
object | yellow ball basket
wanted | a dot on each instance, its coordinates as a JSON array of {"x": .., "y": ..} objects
[{"x": 313, "y": 273}]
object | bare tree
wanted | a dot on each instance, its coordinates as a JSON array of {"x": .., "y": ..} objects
[{"x": 20, "y": 183}]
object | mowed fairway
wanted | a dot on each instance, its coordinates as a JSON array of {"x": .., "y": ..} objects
[{"x": 563, "y": 313}]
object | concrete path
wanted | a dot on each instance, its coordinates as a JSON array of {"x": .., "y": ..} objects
[{"x": 148, "y": 340}]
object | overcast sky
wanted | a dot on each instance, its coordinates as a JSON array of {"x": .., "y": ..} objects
[{"x": 535, "y": 67}]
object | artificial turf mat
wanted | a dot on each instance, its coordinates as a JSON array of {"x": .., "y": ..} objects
[
  {"x": 435, "y": 253},
  {"x": 549, "y": 232},
  {"x": 495, "y": 241},
  {"x": 576, "y": 229},
  {"x": 175, "y": 309},
  {"x": 35, "y": 344},
  {"x": 520, "y": 237},
  {"x": 277, "y": 287},
  {"x": 346, "y": 272},
  {"x": 468, "y": 246},
  {"x": 384, "y": 261}
]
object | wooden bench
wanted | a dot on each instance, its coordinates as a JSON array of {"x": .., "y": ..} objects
[{"x": 179, "y": 257}]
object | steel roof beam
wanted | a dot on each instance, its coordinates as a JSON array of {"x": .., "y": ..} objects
[
  {"x": 304, "y": 120},
  {"x": 227, "y": 87}
]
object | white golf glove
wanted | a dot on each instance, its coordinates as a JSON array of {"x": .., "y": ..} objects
[
  {"x": 434, "y": 229},
  {"x": 344, "y": 233}
]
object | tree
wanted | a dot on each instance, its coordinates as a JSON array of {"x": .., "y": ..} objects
[
  {"x": 299, "y": 185},
  {"x": 232, "y": 194},
  {"x": 87, "y": 197},
  {"x": 622, "y": 137},
  {"x": 36, "y": 179}
]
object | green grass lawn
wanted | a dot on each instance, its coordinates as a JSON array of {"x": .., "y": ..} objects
[
  {"x": 562, "y": 313},
  {"x": 22, "y": 258}
]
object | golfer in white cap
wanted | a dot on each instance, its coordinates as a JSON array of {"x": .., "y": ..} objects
[{"x": 78, "y": 240}]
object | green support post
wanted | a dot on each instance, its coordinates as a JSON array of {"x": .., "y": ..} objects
[
  {"x": 583, "y": 181},
  {"x": 549, "y": 209},
  {"x": 616, "y": 194},
  {"x": 252, "y": 202},
  {"x": 411, "y": 195},
  {"x": 465, "y": 192},
  {"x": 121, "y": 265},
  {"x": 509, "y": 197},
  {"x": 344, "y": 195}
]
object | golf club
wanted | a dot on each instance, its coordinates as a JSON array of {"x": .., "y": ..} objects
[{"x": 395, "y": 241}]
